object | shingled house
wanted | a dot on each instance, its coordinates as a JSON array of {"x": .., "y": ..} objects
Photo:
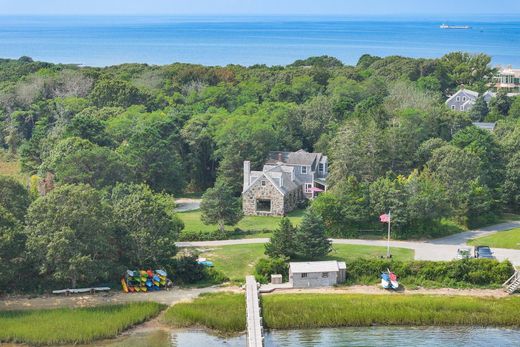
[{"x": 286, "y": 179}]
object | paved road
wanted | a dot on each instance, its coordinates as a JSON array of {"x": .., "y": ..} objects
[
  {"x": 184, "y": 204},
  {"x": 439, "y": 249}
]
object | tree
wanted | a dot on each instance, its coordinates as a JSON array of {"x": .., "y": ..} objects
[
  {"x": 97, "y": 166},
  {"x": 219, "y": 206},
  {"x": 479, "y": 111},
  {"x": 514, "y": 110},
  {"x": 499, "y": 105},
  {"x": 109, "y": 92},
  {"x": 12, "y": 251},
  {"x": 345, "y": 208},
  {"x": 511, "y": 186},
  {"x": 310, "y": 239},
  {"x": 14, "y": 197},
  {"x": 70, "y": 235},
  {"x": 147, "y": 225},
  {"x": 282, "y": 242}
]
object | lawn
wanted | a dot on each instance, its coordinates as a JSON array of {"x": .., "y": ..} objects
[
  {"x": 224, "y": 312},
  {"x": 237, "y": 261},
  {"x": 501, "y": 239},
  {"x": 73, "y": 325},
  {"x": 12, "y": 169},
  {"x": 192, "y": 223}
]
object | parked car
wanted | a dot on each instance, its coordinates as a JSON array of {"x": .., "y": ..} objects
[
  {"x": 464, "y": 253},
  {"x": 483, "y": 252}
]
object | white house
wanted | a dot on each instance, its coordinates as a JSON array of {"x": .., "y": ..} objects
[{"x": 313, "y": 274}]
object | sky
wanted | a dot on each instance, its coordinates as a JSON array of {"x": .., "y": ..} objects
[{"x": 258, "y": 7}]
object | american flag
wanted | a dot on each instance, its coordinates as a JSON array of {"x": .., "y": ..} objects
[{"x": 385, "y": 218}]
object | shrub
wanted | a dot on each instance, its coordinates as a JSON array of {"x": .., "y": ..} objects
[
  {"x": 213, "y": 276},
  {"x": 186, "y": 269},
  {"x": 265, "y": 267},
  {"x": 459, "y": 273}
]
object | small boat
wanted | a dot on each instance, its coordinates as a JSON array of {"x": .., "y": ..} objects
[
  {"x": 463, "y": 27},
  {"x": 123, "y": 285},
  {"x": 385, "y": 280},
  {"x": 393, "y": 280}
]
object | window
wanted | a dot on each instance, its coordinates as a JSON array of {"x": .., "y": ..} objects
[
  {"x": 458, "y": 98},
  {"x": 463, "y": 98},
  {"x": 462, "y": 108},
  {"x": 325, "y": 275},
  {"x": 304, "y": 275},
  {"x": 321, "y": 167},
  {"x": 304, "y": 170},
  {"x": 308, "y": 187},
  {"x": 452, "y": 107},
  {"x": 263, "y": 205},
  {"x": 263, "y": 183}
]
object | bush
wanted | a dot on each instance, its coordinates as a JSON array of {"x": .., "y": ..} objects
[
  {"x": 186, "y": 269},
  {"x": 459, "y": 273},
  {"x": 265, "y": 267},
  {"x": 213, "y": 276}
]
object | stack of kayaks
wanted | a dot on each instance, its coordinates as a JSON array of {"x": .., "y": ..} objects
[
  {"x": 389, "y": 280},
  {"x": 144, "y": 280}
]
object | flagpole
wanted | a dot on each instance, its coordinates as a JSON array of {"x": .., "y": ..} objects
[{"x": 388, "y": 243}]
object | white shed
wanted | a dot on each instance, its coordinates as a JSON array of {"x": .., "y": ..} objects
[{"x": 316, "y": 273}]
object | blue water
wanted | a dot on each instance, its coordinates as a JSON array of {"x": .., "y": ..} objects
[{"x": 101, "y": 41}]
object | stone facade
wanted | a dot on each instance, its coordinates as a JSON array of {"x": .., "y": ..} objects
[{"x": 263, "y": 192}]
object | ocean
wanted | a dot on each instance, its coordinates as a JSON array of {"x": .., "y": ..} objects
[{"x": 103, "y": 40}]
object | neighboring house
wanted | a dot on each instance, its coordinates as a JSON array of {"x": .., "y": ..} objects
[
  {"x": 463, "y": 100},
  {"x": 317, "y": 274},
  {"x": 485, "y": 126},
  {"x": 286, "y": 179},
  {"x": 507, "y": 78}
]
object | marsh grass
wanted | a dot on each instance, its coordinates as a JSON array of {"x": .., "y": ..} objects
[
  {"x": 297, "y": 311},
  {"x": 73, "y": 325},
  {"x": 224, "y": 312}
]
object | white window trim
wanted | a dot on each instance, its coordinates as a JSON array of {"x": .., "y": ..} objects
[
  {"x": 453, "y": 107},
  {"x": 263, "y": 183},
  {"x": 308, "y": 187},
  {"x": 464, "y": 98},
  {"x": 458, "y": 98},
  {"x": 304, "y": 173},
  {"x": 462, "y": 107}
]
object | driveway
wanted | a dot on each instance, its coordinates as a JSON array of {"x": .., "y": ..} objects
[
  {"x": 185, "y": 204},
  {"x": 436, "y": 250}
]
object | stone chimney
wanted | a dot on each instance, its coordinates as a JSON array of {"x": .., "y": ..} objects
[{"x": 247, "y": 173}]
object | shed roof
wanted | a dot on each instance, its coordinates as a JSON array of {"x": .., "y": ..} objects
[{"x": 316, "y": 266}]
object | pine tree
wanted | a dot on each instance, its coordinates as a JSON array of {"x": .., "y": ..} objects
[
  {"x": 311, "y": 241},
  {"x": 281, "y": 244},
  {"x": 479, "y": 111}
]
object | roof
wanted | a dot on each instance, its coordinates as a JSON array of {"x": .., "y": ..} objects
[
  {"x": 485, "y": 126},
  {"x": 280, "y": 176},
  {"x": 463, "y": 91},
  {"x": 316, "y": 266},
  {"x": 300, "y": 157}
]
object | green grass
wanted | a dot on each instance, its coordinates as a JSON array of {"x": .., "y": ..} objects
[
  {"x": 12, "y": 169},
  {"x": 225, "y": 312},
  {"x": 501, "y": 239},
  {"x": 237, "y": 261},
  {"x": 296, "y": 311},
  {"x": 73, "y": 325},
  {"x": 192, "y": 222}
]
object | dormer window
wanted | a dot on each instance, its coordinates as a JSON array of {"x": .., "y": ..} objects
[
  {"x": 321, "y": 167},
  {"x": 458, "y": 98},
  {"x": 304, "y": 170},
  {"x": 463, "y": 98}
]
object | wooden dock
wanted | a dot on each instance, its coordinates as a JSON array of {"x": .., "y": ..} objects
[{"x": 253, "y": 314}]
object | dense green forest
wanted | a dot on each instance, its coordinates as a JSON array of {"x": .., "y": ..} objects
[{"x": 107, "y": 148}]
